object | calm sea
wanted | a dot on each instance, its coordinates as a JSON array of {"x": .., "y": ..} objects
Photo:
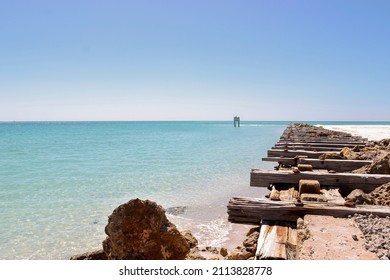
[{"x": 60, "y": 180}]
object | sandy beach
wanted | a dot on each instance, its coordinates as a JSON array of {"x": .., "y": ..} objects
[{"x": 371, "y": 132}]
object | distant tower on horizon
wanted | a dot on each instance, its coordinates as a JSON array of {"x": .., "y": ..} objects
[{"x": 236, "y": 121}]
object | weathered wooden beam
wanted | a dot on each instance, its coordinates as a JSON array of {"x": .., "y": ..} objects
[
  {"x": 312, "y": 144},
  {"x": 345, "y": 181},
  {"x": 338, "y": 165},
  {"x": 304, "y": 148},
  {"x": 252, "y": 210},
  {"x": 284, "y": 161},
  {"x": 277, "y": 241},
  {"x": 294, "y": 153},
  {"x": 322, "y": 141}
]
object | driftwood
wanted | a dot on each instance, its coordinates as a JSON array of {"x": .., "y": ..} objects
[
  {"x": 277, "y": 241},
  {"x": 345, "y": 181},
  {"x": 252, "y": 210}
]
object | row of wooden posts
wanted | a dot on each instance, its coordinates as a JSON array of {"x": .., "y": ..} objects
[{"x": 302, "y": 145}]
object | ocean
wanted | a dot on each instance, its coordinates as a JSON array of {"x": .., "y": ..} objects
[{"x": 59, "y": 181}]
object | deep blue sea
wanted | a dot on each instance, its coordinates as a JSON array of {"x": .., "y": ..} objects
[{"x": 59, "y": 181}]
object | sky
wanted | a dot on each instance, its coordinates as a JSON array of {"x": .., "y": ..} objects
[{"x": 194, "y": 60}]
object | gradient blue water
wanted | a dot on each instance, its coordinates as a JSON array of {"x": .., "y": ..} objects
[{"x": 60, "y": 180}]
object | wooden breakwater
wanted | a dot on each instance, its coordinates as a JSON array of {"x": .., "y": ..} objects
[{"x": 304, "y": 154}]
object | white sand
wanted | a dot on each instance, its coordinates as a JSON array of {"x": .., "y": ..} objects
[{"x": 372, "y": 132}]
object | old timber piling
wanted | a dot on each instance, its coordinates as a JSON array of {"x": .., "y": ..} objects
[{"x": 313, "y": 176}]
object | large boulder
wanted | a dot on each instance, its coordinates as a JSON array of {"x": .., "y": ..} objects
[{"x": 139, "y": 230}]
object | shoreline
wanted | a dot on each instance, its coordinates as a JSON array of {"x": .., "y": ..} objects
[{"x": 371, "y": 132}]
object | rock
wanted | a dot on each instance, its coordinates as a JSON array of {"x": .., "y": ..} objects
[
  {"x": 348, "y": 153},
  {"x": 295, "y": 169},
  {"x": 354, "y": 237},
  {"x": 223, "y": 252},
  {"x": 274, "y": 195},
  {"x": 250, "y": 242},
  {"x": 356, "y": 149},
  {"x": 359, "y": 197},
  {"x": 140, "y": 230},
  {"x": 211, "y": 249},
  {"x": 176, "y": 210},
  {"x": 381, "y": 195},
  {"x": 95, "y": 255},
  {"x": 252, "y": 230},
  {"x": 195, "y": 254},
  {"x": 309, "y": 186},
  {"x": 240, "y": 253},
  {"x": 192, "y": 241},
  {"x": 381, "y": 165},
  {"x": 305, "y": 167}
]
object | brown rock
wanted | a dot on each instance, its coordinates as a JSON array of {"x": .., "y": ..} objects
[
  {"x": 95, "y": 255},
  {"x": 381, "y": 165},
  {"x": 140, "y": 230},
  {"x": 309, "y": 186},
  {"x": 274, "y": 195},
  {"x": 356, "y": 149},
  {"x": 223, "y": 252},
  {"x": 295, "y": 169},
  {"x": 252, "y": 230},
  {"x": 240, "y": 253},
  {"x": 305, "y": 167},
  {"x": 348, "y": 153},
  {"x": 381, "y": 195},
  {"x": 358, "y": 196},
  {"x": 192, "y": 241},
  {"x": 250, "y": 242}
]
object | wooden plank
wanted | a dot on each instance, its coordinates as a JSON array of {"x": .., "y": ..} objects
[
  {"x": 305, "y": 148},
  {"x": 252, "y": 210},
  {"x": 291, "y": 153},
  {"x": 284, "y": 161},
  {"x": 277, "y": 241},
  {"x": 310, "y": 144},
  {"x": 339, "y": 165},
  {"x": 345, "y": 181},
  {"x": 322, "y": 141}
]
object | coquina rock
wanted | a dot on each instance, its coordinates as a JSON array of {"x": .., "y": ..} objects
[{"x": 139, "y": 230}]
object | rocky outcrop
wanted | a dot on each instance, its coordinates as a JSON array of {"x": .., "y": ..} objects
[
  {"x": 140, "y": 230},
  {"x": 248, "y": 250},
  {"x": 96, "y": 255}
]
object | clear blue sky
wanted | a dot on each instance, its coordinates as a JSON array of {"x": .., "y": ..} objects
[{"x": 195, "y": 60}]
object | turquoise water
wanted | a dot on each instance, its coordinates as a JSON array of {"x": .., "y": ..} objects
[{"x": 60, "y": 180}]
